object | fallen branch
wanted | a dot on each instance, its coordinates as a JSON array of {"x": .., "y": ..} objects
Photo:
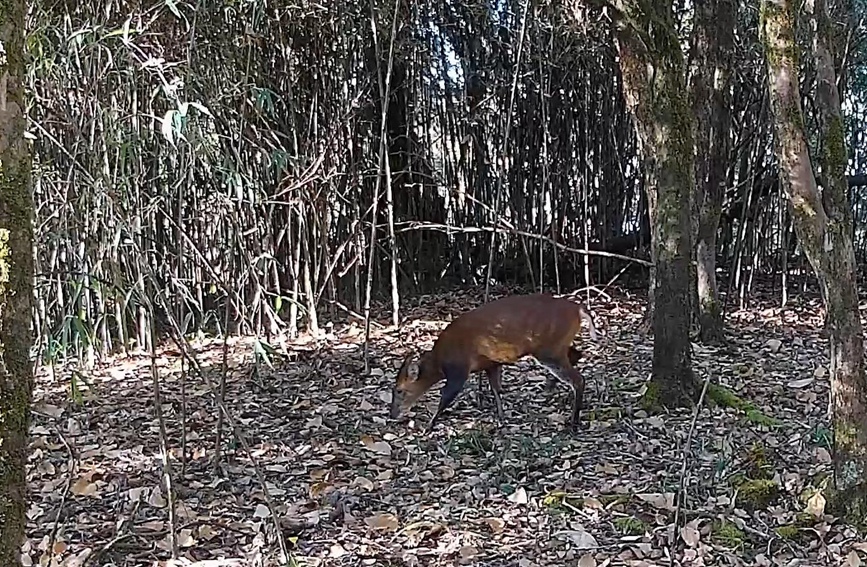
[{"x": 418, "y": 225}]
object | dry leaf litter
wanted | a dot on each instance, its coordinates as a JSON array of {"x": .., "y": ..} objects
[{"x": 352, "y": 487}]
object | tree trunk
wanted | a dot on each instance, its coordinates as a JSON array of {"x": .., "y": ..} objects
[
  {"x": 713, "y": 42},
  {"x": 16, "y": 286},
  {"x": 824, "y": 227},
  {"x": 653, "y": 82}
]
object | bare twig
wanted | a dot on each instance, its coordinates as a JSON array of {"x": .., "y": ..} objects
[
  {"x": 73, "y": 466},
  {"x": 164, "y": 441},
  {"x": 384, "y": 90},
  {"x": 505, "y": 149},
  {"x": 221, "y": 396},
  {"x": 684, "y": 463},
  {"x": 106, "y": 548}
]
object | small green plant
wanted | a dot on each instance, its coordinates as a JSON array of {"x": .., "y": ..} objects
[
  {"x": 263, "y": 352},
  {"x": 758, "y": 462},
  {"x": 603, "y": 414},
  {"x": 76, "y": 378},
  {"x": 613, "y": 499},
  {"x": 563, "y": 502},
  {"x": 727, "y": 534},
  {"x": 821, "y": 436},
  {"x": 628, "y": 525},
  {"x": 471, "y": 442}
]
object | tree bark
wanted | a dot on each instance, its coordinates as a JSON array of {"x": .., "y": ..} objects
[
  {"x": 16, "y": 285},
  {"x": 652, "y": 65},
  {"x": 824, "y": 227},
  {"x": 713, "y": 42}
]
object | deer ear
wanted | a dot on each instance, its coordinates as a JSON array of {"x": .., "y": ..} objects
[{"x": 409, "y": 368}]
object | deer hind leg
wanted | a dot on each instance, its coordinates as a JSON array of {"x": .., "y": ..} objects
[
  {"x": 561, "y": 370},
  {"x": 456, "y": 377},
  {"x": 494, "y": 374},
  {"x": 574, "y": 356},
  {"x": 481, "y": 396}
]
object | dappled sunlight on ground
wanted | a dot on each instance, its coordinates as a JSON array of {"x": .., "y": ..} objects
[{"x": 352, "y": 487}]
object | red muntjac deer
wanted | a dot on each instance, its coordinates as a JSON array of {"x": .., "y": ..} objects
[{"x": 497, "y": 333}]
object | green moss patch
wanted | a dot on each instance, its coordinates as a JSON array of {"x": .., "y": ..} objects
[
  {"x": 724, "y": 397},
  {"x": 650, "y": 400},
  {"x": 795, "y": 531},
  {"x": 850, "y": 505},
  {"x": 758, "y": 494},
  {"x": 789, "y": 532}
]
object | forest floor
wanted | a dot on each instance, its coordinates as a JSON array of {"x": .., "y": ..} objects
[{"x": 351, "y": 487}]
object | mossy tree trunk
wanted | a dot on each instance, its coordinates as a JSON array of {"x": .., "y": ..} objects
[
  {"x": 16, "y": 284},
  {"x": 653, "y": 69},
  {"x": 713, "y": 42},
  {"x": 824, "y": 227}
]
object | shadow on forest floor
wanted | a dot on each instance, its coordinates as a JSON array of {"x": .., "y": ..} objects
[{"x": 354, "y": 488}]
